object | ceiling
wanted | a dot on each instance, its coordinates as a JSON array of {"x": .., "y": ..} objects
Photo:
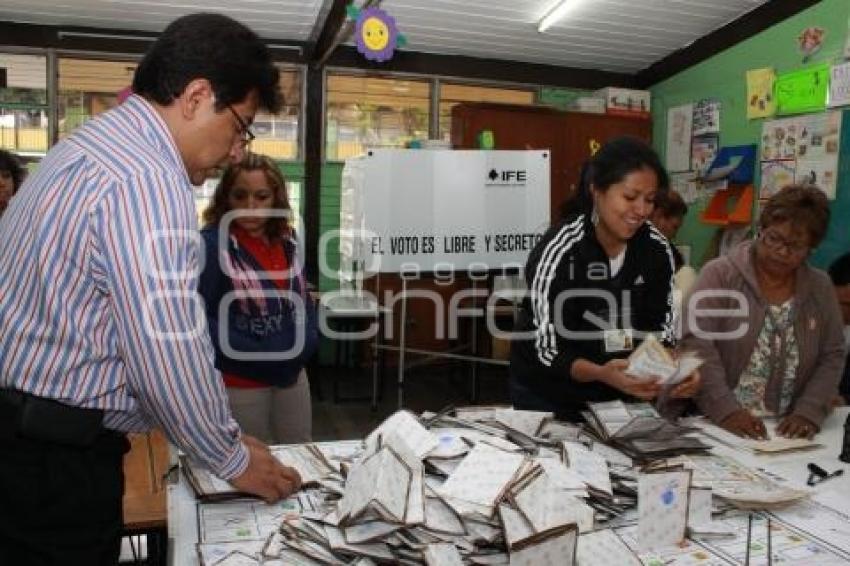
[
  {"x": 273, "y": 19},
  {"x": 609, "y": 35},
  {"x": 622, "y": 36}
]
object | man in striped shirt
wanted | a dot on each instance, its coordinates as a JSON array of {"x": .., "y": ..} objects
[{"x": 101, "y": 329}]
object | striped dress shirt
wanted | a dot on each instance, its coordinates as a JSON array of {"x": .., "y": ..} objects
[{"x": 99, "y": 259}]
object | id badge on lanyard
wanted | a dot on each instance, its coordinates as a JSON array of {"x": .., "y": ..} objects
[{"x": 619, "y": 340}]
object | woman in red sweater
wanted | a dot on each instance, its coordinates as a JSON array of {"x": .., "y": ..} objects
[{"x": 261, "y": 319}]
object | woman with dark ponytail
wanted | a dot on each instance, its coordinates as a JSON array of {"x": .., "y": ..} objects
[
  {"x": 580, "y": 200},
  {"x": 598, "y": 283}
]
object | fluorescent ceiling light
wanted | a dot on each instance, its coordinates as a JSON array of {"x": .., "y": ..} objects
[{"x": 557, "y": 12}]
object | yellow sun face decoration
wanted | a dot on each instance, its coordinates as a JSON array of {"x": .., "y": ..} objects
[{"x": 375, "y": 33}]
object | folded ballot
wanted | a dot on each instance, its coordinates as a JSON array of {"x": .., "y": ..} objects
[{"x": 651, "y": 359}]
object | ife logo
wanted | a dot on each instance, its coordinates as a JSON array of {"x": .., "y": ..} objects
[{"x": 507, "y": 177}]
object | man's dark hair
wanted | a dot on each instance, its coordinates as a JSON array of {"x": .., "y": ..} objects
[
  {"x": 214, "y": 47},
  {"x": 839, "y": 271},
  {"x": 9, "y": 162}
]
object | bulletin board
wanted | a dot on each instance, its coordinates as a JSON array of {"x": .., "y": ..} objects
[
  {"x": 803, "y": 149},
  {"x": 837, "y": 240}
]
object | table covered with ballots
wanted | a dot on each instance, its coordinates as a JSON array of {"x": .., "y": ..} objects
[{"x": 493, "y": 485}]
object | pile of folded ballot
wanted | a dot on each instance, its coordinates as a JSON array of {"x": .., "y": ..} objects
[
  {"x": 640, "y": 432},
  {"x": 494, "y": 485},
  {"x": 479, "y": 485}
]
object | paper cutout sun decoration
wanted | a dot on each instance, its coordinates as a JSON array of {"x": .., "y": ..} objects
[{"x": 376, "y": 34}]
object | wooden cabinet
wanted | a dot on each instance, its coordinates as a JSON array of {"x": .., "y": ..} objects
[{"x": 568, "y": 135}]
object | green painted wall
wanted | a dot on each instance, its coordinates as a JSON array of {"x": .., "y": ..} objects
[
  {"x": 723, "y": 77},
  {"x": 329, "y": 219},
  {"x": 293, "y": 171}
]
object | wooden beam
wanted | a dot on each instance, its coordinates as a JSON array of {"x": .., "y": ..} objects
[
  {"x": 319, "y": 24},
  {"x": 331, "y": 26},
  {"x": 482, "y": 69},
  {"x": 106, "y": 41},
  {"x": 26, "y": 35},
  {"x": 313, "y": 125},
  {"x": 325, "y": 33},
  {"x": 75, "y": 37},
  {"x": 745, "y": 27}
]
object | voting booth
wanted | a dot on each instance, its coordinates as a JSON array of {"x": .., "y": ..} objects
[
  {"x": 424, "y": 213},
  {"x": 436, "y": 210}
]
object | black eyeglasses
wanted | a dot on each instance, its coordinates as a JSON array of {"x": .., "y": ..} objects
[
  {"x": 777, "y": 243},
  {"x": 245, "y": 132}
]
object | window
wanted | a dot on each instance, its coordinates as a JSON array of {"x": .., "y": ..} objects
[
  {"x": 294, "y": 192},
  {"x": 373, "y": 112},
  {"x": 89, "y": 87},
  {"x": 452, "y": 94},
  {"x": 23, "y": 105},
  {"x": 278, "y": 135}
]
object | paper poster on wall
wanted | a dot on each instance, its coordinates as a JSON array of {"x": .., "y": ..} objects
[
  {"x": 706, "y": 117},
  {"x": 810, "y": 41},
  {"x": 703, "y": 151},
  {"x": 819, "y": 137},
  {"x": 819, "y": 173},
  {"x": 839, "y": 85},
  {"x": 779, "y": 139},
  {"x": 810, "y": 142},
  {"x": 685, "y": 185},
  {"x": 803, "y": 91},
  {"x": 679, "y": 131},
  {"x": 813, "y": 136},
  {"x": 775, "y": 175},
  {"x": 760, "y": 100},
  {"x": 817, "y": 155}
]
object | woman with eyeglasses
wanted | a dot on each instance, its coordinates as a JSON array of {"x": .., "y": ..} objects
[
  {"x": 782, "y": 351},
  {"x": 261, "y": 320}
]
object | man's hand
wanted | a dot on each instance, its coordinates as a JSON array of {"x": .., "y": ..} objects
[
  {"x": 742, "y": 423},
  {"x": 687, "y": 388},
  {"x": 615, "y": 376},
  {"x": 795, "y": 426},
  {"x": 265, "y": 476}
]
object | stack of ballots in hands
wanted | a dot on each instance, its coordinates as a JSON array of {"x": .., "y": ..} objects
[
  {"x": 652, "y": 360},
  {"x": 640, "y": 432},
  {"x": 480, "y": 486}
]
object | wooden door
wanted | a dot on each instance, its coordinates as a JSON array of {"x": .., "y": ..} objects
[
  {"x": 582, "y": 133},
  {"x": 570, "y": 136}
]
